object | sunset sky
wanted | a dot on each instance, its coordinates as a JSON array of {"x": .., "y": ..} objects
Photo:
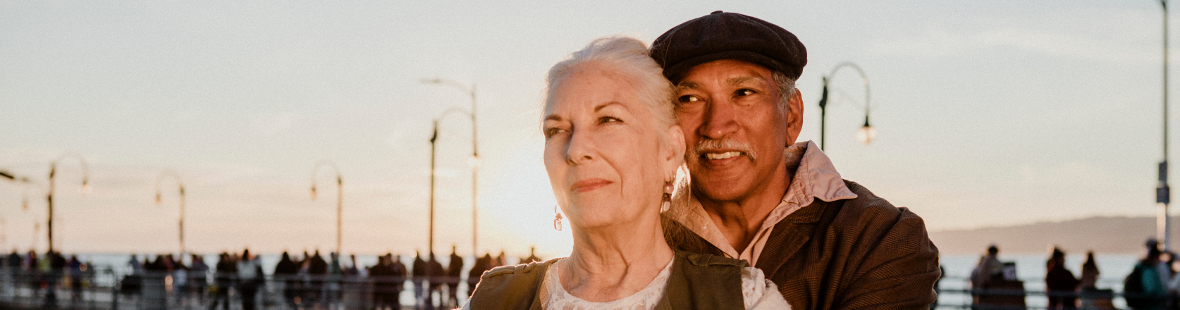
[{"x": 989, "y": 113}]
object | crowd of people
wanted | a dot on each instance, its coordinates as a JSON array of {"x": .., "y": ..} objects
[
  {"x": 310, "y": 280},
  {"x": 44, "y": 274},
  {"x": 1153, "y": 284}
]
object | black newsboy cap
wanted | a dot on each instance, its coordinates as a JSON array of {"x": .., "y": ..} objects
[{"x": 722, "y": 35}]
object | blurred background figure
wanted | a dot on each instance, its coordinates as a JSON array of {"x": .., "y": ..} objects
[
  {"x": 250, "y": 278},
  {"x": 224, "y": 273},
  {"x": 198, "y": 278},
  {"x": 1060, "y": 282},
  {"x": 454, "y": 272},
  {"x": 284, "y": 273},
  {"x": 419, "y": 278}
]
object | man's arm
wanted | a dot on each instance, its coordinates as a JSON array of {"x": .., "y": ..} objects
[{"x": 899, "y": 265}]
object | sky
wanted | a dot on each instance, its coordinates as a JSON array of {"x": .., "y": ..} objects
[{"x": 988, "y": 113}]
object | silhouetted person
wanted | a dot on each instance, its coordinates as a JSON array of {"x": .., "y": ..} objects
[
  {"x": 334, "y": 277},
  {"x": 434, "y": 273},
  {"x": 1060, "y": 282},
  {"x": 454, "y": 272},
  {"x": 225, "y": 272},
  {"x": 57, "y": 264},
  {"x": 250, "y": 278},
  {"x": 419, "y": 280},
  {"x": 1142, "y": 289},
  {"x": 318, "y": 270},
  {"x": 532, "y": 256},
  {"x": 382, "y": 277},
  {"x": 399, "y": 277},
  {"x": 482, "y": 264},
  {"x": 198, "y": 277},
  {"x": 285, "y": 272},
  {"x": 75, "y": 272}
]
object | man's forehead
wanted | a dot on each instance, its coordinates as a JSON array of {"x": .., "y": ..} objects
[{"x": 728, "y": 72}]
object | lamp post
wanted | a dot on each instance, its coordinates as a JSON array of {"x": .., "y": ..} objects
[
  {"x": 1163, "y": 192},
  {"x": 49, "y": 195},
  {"x": 866, "y": 133},
  {"x": 24, "y": 203},
  {"x": 339, "y": 197},
  {"x": 180, "y": 185},
  {"x": 474, "y": 159},
  {"x": 433, "y": 156}
]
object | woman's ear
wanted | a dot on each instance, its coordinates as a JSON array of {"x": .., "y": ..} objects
[{"x": 673, "y": 154}]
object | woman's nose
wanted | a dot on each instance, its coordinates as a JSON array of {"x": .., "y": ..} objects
[{"x": 580, "y": 150}]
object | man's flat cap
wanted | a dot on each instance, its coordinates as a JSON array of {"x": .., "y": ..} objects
[{"x": 722, "y": 35}]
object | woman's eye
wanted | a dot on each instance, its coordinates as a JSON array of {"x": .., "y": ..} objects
[
  {"x": 549, "y": 133},
  {"x": 608, "y": 119}
]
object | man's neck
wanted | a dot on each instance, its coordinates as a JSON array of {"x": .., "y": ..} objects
[{"x": 739, "y": 220}]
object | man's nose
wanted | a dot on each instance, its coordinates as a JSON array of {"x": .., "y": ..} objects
[{"x": 720, "y": 120}]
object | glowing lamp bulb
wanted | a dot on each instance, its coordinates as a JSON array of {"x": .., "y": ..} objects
[
  {"x": 866, "y": 134},
  {"x": 86, "y": 187},
  {"x": 158, "y": 199},
  {"x": 313, "y": 193}
]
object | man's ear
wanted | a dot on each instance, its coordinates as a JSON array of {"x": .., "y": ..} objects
[
  {"x": 673, "y": 155},
  {"x": 794, "y": 117}
]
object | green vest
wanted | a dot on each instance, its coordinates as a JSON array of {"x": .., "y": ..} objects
[{"x": 697, "y": 281}]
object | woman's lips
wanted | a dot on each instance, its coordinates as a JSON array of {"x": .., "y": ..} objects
[{"x": 588, "y": 185}]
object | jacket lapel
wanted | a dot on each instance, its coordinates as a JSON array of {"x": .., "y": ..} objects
[{"x": 788, "y": 236}]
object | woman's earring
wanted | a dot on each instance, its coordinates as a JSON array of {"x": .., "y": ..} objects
[
  {"x": 556, "y": 219},
  {"x": 667, "y": 201}
]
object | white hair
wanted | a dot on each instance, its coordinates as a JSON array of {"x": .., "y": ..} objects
[{"x": 629, "y": 57}]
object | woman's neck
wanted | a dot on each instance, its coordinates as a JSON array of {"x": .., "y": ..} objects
[{"x": 611, "y": 263}]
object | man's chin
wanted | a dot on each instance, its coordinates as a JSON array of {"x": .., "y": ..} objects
[{"x": 720, "y": 191}]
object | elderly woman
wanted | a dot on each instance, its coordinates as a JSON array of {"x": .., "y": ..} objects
[{"x": 612, "y": 151}]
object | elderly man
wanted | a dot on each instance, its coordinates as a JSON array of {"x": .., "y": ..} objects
[{"x": 757, "y": 195}]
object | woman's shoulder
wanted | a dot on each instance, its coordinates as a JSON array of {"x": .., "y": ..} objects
[
  {"x": 520, "y": 269},
  {"x": 509, "y": 287}
]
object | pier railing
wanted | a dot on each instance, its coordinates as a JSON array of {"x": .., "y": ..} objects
[{"x": 104, "y": 289}]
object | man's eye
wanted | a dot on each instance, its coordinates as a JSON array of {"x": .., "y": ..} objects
[
  {"x": 745, "y": 92},
  {"x": 688, "y": 98}
]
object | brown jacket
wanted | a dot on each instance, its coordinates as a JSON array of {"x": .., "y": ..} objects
[
  {"x": 861, "y": 253},
  {"x": 698, "y": 281}
]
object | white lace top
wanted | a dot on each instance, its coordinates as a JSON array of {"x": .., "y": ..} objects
[{"x": 757, "y": 292}]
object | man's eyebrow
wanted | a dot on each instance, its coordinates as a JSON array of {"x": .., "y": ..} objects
[
  {"x": 738, "y": 80},
  {"x": 604, "y": 105},
  {"x": 687, "y": 85}
]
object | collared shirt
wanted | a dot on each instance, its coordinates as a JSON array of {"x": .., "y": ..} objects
[{"x": 814, "y": 178}]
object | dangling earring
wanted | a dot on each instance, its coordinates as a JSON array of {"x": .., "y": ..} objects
[
  {"x": 667, "y": 201},
  {"x": 556, "y": 219}
]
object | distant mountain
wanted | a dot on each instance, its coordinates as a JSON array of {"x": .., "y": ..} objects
[{"x": 1101, "y": 234}]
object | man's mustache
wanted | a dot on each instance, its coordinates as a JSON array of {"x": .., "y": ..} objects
[{"x": 708, "y": 145}]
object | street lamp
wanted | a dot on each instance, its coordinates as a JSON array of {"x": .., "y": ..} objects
[
  {"x": 866, "y": 133},
  {"x": 339, "y": 196},
  {"x": 1163, "y": 193},
  {"x": 49, "y": 195},
  {"x": 24, "y": 202},
  {"x": 433, "y": 156},
  {"x": 180, "y": 184},
  {"x": 474, "y": 162}
]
